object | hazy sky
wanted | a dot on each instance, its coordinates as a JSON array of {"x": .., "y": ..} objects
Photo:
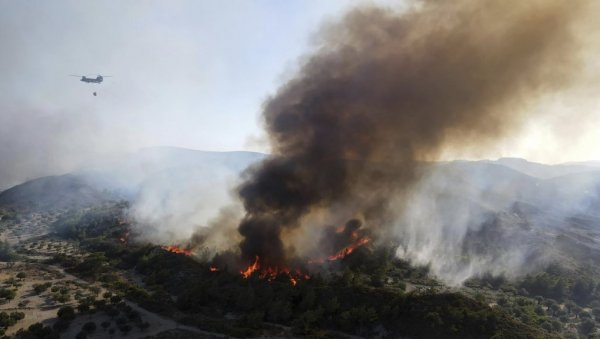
[{"x": 186, "y": 73}]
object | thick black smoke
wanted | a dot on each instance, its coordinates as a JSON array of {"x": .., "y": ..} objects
[{"x": 385, "y": 91}]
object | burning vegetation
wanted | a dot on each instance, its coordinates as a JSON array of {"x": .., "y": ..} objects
[
  {"x": 271, "y": 273},
  {"x": 337, "y": 243},
  {"x": 178, "y": 250},
  {"x": 341, "y": 241},
  {"x": 349, "y": 249}
]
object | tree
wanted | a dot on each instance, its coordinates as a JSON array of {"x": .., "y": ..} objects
[
  {"x": 378, "y": 278},
  {"x": 133, "y": 314},
  {"x": 99, "y": 304},
  {"x": 307, "y": 322},
  {"x": 245, "y": 300},
  {"x": 279, "y": 311},
  {"x": 38, "y": 330},
  {"x": 332, "y": 305},
  {"x": 125, "y": 328},
  {"x": 83, "y": 308},
  {"x": 308, "y": 299},
  {"x": 39, "y": 288},
  {"x": 66, "y": 313},
  {"x": 596, "y": 312},
  {"x": 61, "y": 325},
  {"x": 7, "y": 293},
  {"x": 7, "y": 319},
  {"x": 587, "y": 326},
  {"x": 115, "y": 299},
  {"x": 121, "y": 321},
  {"x": 89, "y": 327},
  {"x": 556, "y": 325},
  {"x": 111, "y": 311},
  {"x": 554, "y": 308},
  {"x": 582, "y": 290},
  {"x": 254, "y": 319},
  {"x": 143, "y": 325}
]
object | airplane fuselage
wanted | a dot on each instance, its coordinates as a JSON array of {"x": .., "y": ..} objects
[{"x": 96, "y": 80}]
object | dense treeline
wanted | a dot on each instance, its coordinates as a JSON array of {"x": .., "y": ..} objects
[
  {"x": 583, "y": 289},
  {"x": 353, "y": 309},
  {"x": 338, "y": 302}
]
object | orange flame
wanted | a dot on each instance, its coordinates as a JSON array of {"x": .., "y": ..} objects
[
  {"x": 343, "y": 252},
  {"x": 349, "y": 249},
  {"x": 251, "y": 269},
  {"x": 270, "y": 273},
  {"x": 177, "y": 249}
]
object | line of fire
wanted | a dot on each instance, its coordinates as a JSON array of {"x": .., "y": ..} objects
[{"x": 343, "y": 241}]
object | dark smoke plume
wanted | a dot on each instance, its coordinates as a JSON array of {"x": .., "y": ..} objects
[{"x": 387, "y": 90}]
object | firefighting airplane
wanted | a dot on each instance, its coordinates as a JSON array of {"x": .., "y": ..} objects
[{"x": 95, "y": 80}]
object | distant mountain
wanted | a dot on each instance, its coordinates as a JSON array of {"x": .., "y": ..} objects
[
  {"x": 130, "y": 173},
  {"x": 53, "y": 192},
  {"x": 161, "y": 177},
  {"x": 544, "y": 171},
  {"x": 488, "y": 183},
  {"x": 554, "y": 188},
  {"x": 165, "y": 174}
]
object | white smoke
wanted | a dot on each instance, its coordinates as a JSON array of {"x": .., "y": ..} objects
[{"x": 467, "y": 219}]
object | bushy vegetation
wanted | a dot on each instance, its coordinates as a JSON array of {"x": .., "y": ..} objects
[
  {"x": 66, "y": 313},
  {"x": 558, "y": 284},
  {"x": 37, "y": 331},
  {"x": 9, "y": 319},
  {"x": 364, "y": 294},
  {"x": 7, "y": 293},
  {"x": 40, "y": 288},
  {"x": 98, "y": 221}
]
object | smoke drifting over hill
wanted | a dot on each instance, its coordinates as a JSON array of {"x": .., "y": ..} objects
[{"x": 384, "y": 92}]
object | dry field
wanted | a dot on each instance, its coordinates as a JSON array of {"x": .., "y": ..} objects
[{"x": 29, "y": 236}]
